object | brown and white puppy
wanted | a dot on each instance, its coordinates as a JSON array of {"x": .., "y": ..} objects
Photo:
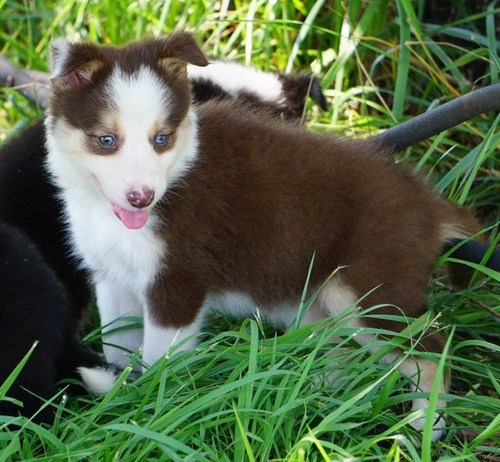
[{"x": 178, "y": 209}]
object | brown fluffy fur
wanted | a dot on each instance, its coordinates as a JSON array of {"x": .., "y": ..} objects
[{"x": 264, "y": 197}]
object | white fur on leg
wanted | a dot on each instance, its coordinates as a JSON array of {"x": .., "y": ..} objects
[
  {"x": 423, "y": 374},
  {"x": 99, "y": 379},
  {"x": 158, "y": 340},
  {"x": 114, "y": 301}
]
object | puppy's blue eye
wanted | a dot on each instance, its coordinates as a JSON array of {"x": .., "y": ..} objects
[
  {"x": 107, "y": 141},
  {"x": 160, "y": 139}
]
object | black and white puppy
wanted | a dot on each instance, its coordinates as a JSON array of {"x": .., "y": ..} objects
[
  {"x": 282, "y": 95},
  {"x": 34, "y": 307}
]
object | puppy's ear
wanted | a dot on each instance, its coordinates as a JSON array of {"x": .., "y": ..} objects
[
  {"x": 175, "y": 51},
  {"x": 73, "y": 65}
]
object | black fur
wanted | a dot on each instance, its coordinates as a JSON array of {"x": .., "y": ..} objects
[
  {"x": 34, "y": 307},
  {"x": 296, "y": 89},
  {"x": 28, "y": 201}
]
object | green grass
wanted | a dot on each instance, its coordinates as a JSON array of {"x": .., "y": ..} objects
[{"x": 246, "y": 393}]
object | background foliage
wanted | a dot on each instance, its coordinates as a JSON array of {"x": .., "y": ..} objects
[{"x": 246, "y": 394}]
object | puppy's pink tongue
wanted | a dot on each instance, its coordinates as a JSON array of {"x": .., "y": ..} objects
[{"x": 132, "y": 220}]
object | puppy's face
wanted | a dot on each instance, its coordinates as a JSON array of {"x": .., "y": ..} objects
[{"x": 119, "y": 120}]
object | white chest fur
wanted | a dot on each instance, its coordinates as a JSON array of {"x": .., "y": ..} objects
[
  {"x": 110, "y": 250},
  {"x": 123, "y": 264}
]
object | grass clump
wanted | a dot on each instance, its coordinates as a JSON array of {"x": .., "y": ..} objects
[{"x": 245, "y": 393}]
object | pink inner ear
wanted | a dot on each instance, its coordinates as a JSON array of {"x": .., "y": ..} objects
[{"x": 76, "y": 78}]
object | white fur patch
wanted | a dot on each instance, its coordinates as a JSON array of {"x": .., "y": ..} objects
[
  {"x": 99, "y": 379},
  {"x": 336, "y": 296},
  {"x": 115, "y": 301},
  {"x": 236, "y": 304},
  {"x": 332, "y": 300},
  {"x": 451, "y": 231},
  {"x": 241, "y": 306},
  {"x": 158, "y": 340},
  {"x": 123, "y": 89},
  {"x": 236, "y": 78}
]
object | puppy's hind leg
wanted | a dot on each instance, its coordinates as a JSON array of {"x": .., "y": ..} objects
[
  {"x": 423, "y": 374},
  {"x": 337, "y": 295}
]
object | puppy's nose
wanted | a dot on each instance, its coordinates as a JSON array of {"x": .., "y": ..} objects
[{"x": 140, "y": 198}]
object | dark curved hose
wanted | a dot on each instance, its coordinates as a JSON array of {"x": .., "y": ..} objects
[{"x": 441, "y": 118}]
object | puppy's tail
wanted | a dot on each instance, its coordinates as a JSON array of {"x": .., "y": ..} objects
[
  {"x": 81, "y": 362},
  {"x": 458, "y": 243},
  {"x": 99, "y": 379}
]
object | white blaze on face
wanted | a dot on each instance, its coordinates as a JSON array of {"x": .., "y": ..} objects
[{"x": 138, "y": 105}]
